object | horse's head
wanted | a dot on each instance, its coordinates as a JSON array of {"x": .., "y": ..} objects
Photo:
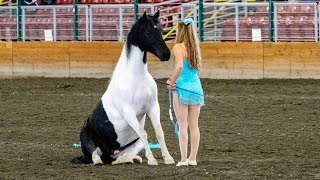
[{"x": 146, "y": 34}]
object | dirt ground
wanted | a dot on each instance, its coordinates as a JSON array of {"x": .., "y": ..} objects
[{"x": 250, "y": 129}]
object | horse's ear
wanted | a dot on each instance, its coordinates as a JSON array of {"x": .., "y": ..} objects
[
  {"x": 144, "y": 16},
  {"x": 156, "y": 15}
]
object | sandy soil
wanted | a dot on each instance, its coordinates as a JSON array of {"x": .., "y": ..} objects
[{"x": 250, "y": 129}]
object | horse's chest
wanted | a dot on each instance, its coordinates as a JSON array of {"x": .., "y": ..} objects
[
  {"x": 137, "y": 95},
  {"x": 142, "y": 98}
]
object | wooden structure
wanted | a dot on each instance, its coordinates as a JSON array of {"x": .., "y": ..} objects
[{"x": 228, "y": 60}]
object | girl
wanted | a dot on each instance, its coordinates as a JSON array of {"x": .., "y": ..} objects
[{"x": 187, "y": 90}]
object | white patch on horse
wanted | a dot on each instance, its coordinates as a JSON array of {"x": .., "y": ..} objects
[
  {"x": 96, "y": 156},
  {"x": 131, "y": 88}
]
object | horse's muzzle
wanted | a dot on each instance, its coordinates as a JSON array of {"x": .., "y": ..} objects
[{"x": 165, "y": 55}]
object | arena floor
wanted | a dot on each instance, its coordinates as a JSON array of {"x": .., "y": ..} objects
[{"x": 250, "y": 129}]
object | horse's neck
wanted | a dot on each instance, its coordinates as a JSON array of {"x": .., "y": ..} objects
[
  {"x": 133, "y": 63},
  {"x": 129, "y": 73}
]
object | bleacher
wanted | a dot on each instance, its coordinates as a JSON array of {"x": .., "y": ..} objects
[
  {"x": 110, "y": 20},
  {"x": 294, "y": 23}
]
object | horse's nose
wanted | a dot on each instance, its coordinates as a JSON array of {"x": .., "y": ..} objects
[{"x": 166, "y": 55}]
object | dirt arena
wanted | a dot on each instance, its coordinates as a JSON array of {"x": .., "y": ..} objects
[{"x": 250, "y": 129}]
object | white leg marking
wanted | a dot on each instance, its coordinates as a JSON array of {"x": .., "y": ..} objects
[
  {"x": 130, "y": 116},
  {"x": 154, "y": 115},
  {"x": 96, "y": 157},
  {"x": 129, "y": 155}
]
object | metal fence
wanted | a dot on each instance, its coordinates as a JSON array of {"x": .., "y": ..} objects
[
  {"x": 296, "y": 22},
  {"x": 242, "y": 21},
  {"x": 112, "y": 22},
  {"x": 8, "y": 23},
  {"x": 95, "y": 22}
]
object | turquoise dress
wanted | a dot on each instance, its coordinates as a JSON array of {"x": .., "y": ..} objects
[{"x": 188, "y": 86}]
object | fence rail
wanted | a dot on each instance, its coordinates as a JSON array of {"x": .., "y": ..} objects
[{"x": 112, "y": 22}]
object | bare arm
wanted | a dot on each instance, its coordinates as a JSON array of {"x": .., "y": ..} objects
[{"x": 178, "y": 54}]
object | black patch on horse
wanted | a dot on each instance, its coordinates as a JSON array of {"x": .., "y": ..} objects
[{"x": 98, "y": 131}]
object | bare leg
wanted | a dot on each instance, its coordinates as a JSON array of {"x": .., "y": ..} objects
[
  {"x": 193, "y": 116},
  {"x": 183, "y": 131},
  {"x": 175, "y": 103}
]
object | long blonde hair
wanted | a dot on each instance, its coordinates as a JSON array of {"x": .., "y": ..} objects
[{"x": 187, "y": 35}]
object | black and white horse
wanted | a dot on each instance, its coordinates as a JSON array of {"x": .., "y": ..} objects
[{"x": 114, "y": 132}]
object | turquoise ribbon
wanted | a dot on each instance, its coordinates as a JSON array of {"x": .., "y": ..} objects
[{"x": 173, "y": 122}]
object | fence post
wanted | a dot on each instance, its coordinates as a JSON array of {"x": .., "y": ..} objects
[
  {"x": 201, "y": 20},
  {"x": 271, "y": 21},
  {"x": 136, "y": 10},
  {"x": 75, "y": 20},
  {"x": 19, "y": 16}
]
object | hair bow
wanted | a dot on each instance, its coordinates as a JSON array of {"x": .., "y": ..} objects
[{"x": 188, "y": 21}]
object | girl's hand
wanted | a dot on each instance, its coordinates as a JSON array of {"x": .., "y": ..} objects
[{"x": 170, "y": 86}]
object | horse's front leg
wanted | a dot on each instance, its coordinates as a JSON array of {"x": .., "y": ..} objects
[
  {"x": 129, "y": 115},
  {"x": 154, "y": 115}
]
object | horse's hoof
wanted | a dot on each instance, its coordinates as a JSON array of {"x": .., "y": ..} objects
[
  {"x": 137, "y": 160},
  {"x": 152, "y": 161},
  {"x": 122, "y": 160},
  {"x": 97, "y": 162},
  {"x": 96, "y": 159},
  {"x": 169, "y": 160}
]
